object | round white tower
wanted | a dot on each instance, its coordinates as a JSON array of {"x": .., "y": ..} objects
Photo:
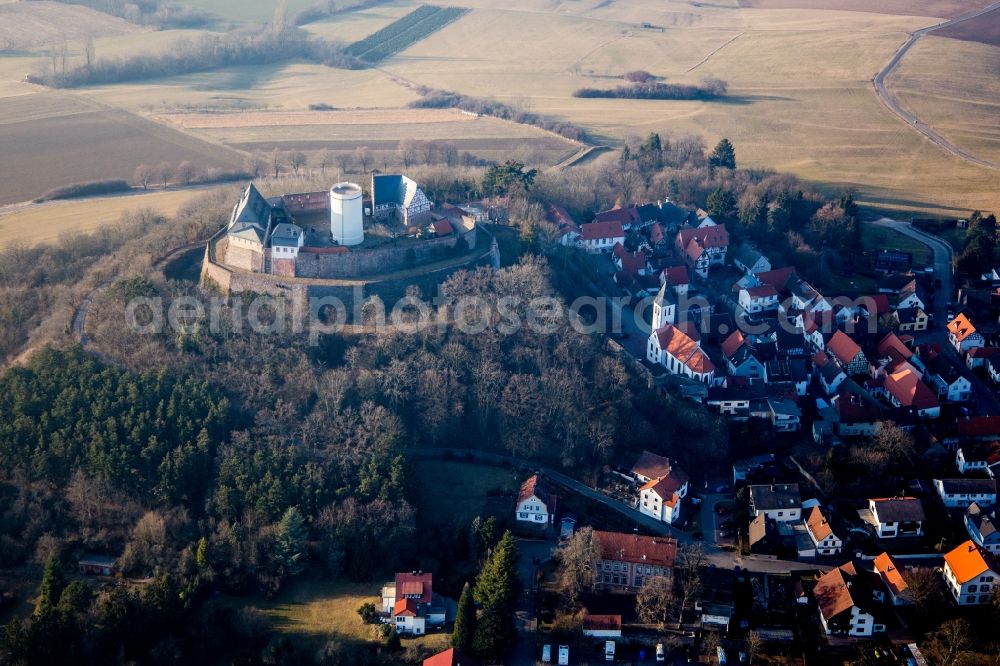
[{"x": 346, "y": 217}]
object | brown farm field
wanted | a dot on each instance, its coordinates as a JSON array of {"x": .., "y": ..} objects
[
  {"x": 938, "y": 8},
  {"x": 55, "y": 140},
  {"x": 985, "y": 29},
  {"x": 30, "y": 24},
  {"x": 42, "y": 223}
]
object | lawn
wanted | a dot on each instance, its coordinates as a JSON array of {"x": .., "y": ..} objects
[
  {"x": 876, "y": 238},
  {"x": 451, "y": 491},
  {"x": 317, "y": 608}
]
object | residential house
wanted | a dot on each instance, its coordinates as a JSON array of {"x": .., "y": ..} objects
[
  {"x": 780, "y": 502},
  {"x": 821, "y": 533},
  {"x": 983, "y": 428},
  {"x": 960, "y": 493},
  {"x": 630, "y": 263},
  {"x": 749, "y": 259},
  {"x": 970, "y": 574},
  {"x": 897, "y": 591},
  {"x": 892, "y": 260},
  {"x": 763, "y": 537},
  {"x": 948, "y": 380},
  {"x": 911, "y": 320},
  {"x": 677, "y": 278},
  {"x": 97, "y": 565},
  {"x": 397, "y": 196},
  {"x": 857, "y": 416},
  {"x": 963, "y": 336},
  {"x": 846, "y": 603},
  {"x": 741, "y": 357},
  {"x": 830, "y": 374},
  {"x": 785, "y": 414},
  {"x": 451, "y": 657},
  {"x": 894, "y": 517},
  {"x": 407, "y": 618},
  {"x": 535, "y": 502},
  {"x": 978, "y": 356},
  {"x": 416, "y": 586},
  {"x": 906, "y": 390},
  {"x": 659, "y": 499},
  {"x": 598, "y": 237},
  {"x": 758, "y": 299},
  {"x": 788, "y": 371},
  {"x": 651, "y": 466},
  {"x": 675, "y": 350},
  {"x": 803, "y": 294},
  {"x": 566, "y": 228},
  {"x": 629, "y": 218},
  {"x": 703, "y": 247},
  {"x": 848, "y": 353},
  {"x": 983, "y": 528},
  {"x": 602, "y": 626},
  {"x": 627, "y": 560},
  {"x": 977, "y": 457},
  {"x": 910, "y": 296}
]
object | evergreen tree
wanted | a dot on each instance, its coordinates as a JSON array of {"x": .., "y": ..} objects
[
  {"x": 496, "y": 591},
  {"x": 721, "y": 202},
  {"x": 290, "y": 542},
  {"x": 724, "y": 155},
  {"x": 464, "y": 634},
  {"x": 51, "y": 588}
]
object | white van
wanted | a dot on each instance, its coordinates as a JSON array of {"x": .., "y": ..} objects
[
  {"x": 547, "y": 653},
  {"x": 722, "y": 655},
  {"x": 563, "y": 655},
  {"x": 609, "y": 650},
  {"x": 661, "y": 654}
]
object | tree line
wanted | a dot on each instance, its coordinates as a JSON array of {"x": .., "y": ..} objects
[{"x": 709, "y": 89}]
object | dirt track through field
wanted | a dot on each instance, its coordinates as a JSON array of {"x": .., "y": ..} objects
[{"x": 890, "y": 101}]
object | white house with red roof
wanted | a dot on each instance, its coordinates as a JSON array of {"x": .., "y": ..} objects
[
  {"x": 970, "y": 574},
  {"x": 963, "y": 336},
  {"x": 674, "y": 349},
  {"x": 598, "y": 237},
  {"x": 628, "y": 560},
  {"x": 897, "y": 590},
  {"x": 846, "y": 602},
  {"x": 630, "y": 263},
  {"x": 663, "y": 487},
  {"x": 821, "y": 533},
  {"x": 566, "y": 228},
  {"x": 411, "y": 603},
  {"x": 905, "y": 389},
  {"x": 703, "y": 247},
  {"x": 677, "y": 278},
  {"x": 535, "y": 502}
]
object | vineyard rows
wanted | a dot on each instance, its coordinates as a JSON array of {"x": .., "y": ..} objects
[{"x": 404, "y": 32}]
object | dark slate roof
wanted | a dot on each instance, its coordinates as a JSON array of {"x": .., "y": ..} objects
[
  {"x": 899, "y": 509},
  {"x": 286, "y": 235},
  {"x": 968, "y": 486},
  {"x": 388, "y": 188},
  {"x": 982, "y": 521},
  {"x": 251, "y": 216},
  {"x": 775, "y": 496}
]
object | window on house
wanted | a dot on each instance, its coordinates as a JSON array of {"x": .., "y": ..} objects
[{"x": 973, "y": 588}]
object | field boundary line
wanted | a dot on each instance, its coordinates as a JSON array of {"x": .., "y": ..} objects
[{"x": 714, "y": 51}]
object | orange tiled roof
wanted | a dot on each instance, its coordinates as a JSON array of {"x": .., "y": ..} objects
[
  {"x": 841, "y": 346},
  {"x": 891, "y": 342},
  {"x": 890, "y": 573},
  {"x": 818, "y": 524},
  {"x": 679, "y": 345},
  {"x": 833, "y": 596},
  {"x": 961, "y": 327},
  {"x": 966, "y": 562},
  {"x": 732, "y": 343},
  {"x": 907, "y": 388},
  {"x": 405, "y": 607},
  {"x": 621, "y": 547}
]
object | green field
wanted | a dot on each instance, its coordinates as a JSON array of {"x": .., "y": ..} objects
[{"x": 876, "y": 238}]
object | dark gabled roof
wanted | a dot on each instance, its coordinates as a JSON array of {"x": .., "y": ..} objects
[
  {"x": 968, "y": 486},
  {"x": 775, "y": 496},
  {"x": 982, "y": 520},
  {"x": 286, "y": 235},
  {"x": 675, "y": 216},
  {"x": 622, "y": 216},
  {"x": 748, "y": 255},
  {"x": 251, "y": 217},
  {"x": 387, "y": 188},
  {"x": 899, "y": 509}
]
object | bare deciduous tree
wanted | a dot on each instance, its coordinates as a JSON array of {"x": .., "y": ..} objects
[
  {"x": 363, "y": 156},
  {"x": 297, "y": 160},
  {"x": 578, "y": 566},
  {"x": 323, "y": 159},
  {"x": 754, "y": 643},
  {"x": 655, "y": 601},
  {"x": 142, "y": 175}
]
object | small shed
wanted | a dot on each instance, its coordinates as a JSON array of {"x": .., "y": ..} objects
[
  {"x": 98, "y": 565},
  {"x": 602, "y": 626}
]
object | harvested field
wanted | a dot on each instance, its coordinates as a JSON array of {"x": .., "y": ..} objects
[
  {"x": 352, "y": 26},
  {"x": 28, "y": 24},
  {"x": 58, "y": 140},
  {"x": 308, "y": 118},
  {"x": 984, "y": 29},
  {"x": 41, "y": 223},
  {"x": 938, "y": 8}
]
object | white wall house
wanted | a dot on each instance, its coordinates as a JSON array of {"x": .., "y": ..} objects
[
  {"x": 658, "y": 499},
  {"x": 963, "y": 336},
  {"x": 759, "y": 299},
  {"x": 983, "y": 528},
  {"x": 968, "y": 575},
  {"x": 407, "y": 620},
  {"x": 960, "y": 493},
  {"x": 535, "y": 504},
  {"x": 894, "y": 517},
  {"x": 821, "y": 533},
  {"x": 780, "y": 502},
  {"x": 845, "y": 603}
]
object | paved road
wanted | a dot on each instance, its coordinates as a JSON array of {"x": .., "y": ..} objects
[
  {"x": 909, "y": 118},
  {"x": 80, "y": 316}
]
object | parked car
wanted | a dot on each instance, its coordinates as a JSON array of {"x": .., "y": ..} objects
[
  {"x": 563, "y": 655},
  {"x": 661, "y": 654},
  {"x": 547, "y": 653}
]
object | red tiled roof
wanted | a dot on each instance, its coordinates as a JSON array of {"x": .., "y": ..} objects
[
  {"x": 598, "y": 230},
  {"x": 714, "y": 236},
  {"x": 984, "y": 352},
  {"x": 777, "y": 278},
  {"x": 451, "y": 657},
  {"x": 620, "y": 215},
  {"x": 879, "y": 304},
  {"x": 907, "y": 388},
  {"x": 405, "y": 607},
  {"x": 680, "y": 345},
  {"x": 676, "y": 275},
  {"x": 979, "y": 426},
  {"x": 443, "y": 227},
  {"x": 651, "y": 465},
  {"x": 732, "y": 343},
  {"x": 817, "y": 524},
  {"x": 853, "y": 409},
  {"x": 833, "y": 595},
  {"x": 533, "y": 486},
  {"x": 892, "y": 342},
  {"x": 763, "y": 291},
  {"x": 621, "y": 547},
  {"x": 632, "y": 262},
  {"x": 656, "y": 235},
  {"x": 841, "y": 346},
  {"x": 415, "y": 584}
]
